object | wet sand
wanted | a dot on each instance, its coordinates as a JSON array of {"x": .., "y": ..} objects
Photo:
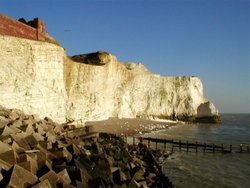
[{"x": 128, "y": 126}]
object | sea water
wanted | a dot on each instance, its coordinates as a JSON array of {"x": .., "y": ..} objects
[{"x": 191, "y": 169}]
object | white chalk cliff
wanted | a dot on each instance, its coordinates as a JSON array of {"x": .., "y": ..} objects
[{"x": 38, "y": 77}]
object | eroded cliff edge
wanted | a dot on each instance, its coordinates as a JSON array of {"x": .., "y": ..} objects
[{"x": 38, "y": 77}]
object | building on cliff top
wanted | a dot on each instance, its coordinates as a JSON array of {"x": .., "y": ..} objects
[{"x": 34, "y": 30}]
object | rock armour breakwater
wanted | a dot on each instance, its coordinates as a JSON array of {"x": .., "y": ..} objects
[{"x": 41, "y": 153}]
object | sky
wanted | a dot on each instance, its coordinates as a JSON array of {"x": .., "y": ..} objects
[{"x": 205, "y": 38}]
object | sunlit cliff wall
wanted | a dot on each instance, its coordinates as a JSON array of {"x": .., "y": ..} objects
[
  {"x": 37, "y": 77},
  {"x": 31, "y": 77}
]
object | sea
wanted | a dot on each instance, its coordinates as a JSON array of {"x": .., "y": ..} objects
[{"x": 215, "y": 170}]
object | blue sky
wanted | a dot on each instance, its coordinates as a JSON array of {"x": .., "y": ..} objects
[{"x": 206, "y": 38}]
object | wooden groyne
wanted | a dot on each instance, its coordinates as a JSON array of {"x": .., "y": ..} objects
[
  {"x": 156, "y": 143},
  {"x": 191, "y": 146}
]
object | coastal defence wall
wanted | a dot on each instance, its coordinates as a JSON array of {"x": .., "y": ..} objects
[{"x": 11, "y": 27}]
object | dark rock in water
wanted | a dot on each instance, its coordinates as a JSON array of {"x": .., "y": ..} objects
[
  {"x": 212, "y": 119},
  {"x": 96, "y": 58}
]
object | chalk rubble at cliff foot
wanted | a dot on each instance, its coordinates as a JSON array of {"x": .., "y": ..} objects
[{"x": 38, "y": 78}]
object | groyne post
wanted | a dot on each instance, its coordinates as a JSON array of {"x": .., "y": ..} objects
[
  {"x": 240, "y": 148},
  {"x": 179, "y": 145},
  {"x": 196, "y": 147}
]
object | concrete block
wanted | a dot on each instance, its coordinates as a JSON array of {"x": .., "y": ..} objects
[
  {"x": 39, "y": 129},
  {"x": 51, "y": 136},
  {"x": 15, "y": 129},
  {"x": 85, "y": 176},
  {"x": 38, "y": 137},
  {"x": 64, "y": 177},
  {"x": 13, "y": 115},
  {"x": 31, "y": 140},
  {"x": 1, "y": 176},
  {"x": 4, "y": 121},
  {"x": 17, "y": 148},
  {"x": 58, "y": 129},
  {"x": 63, "y": 153},
  {"x": 28, "y": 162},
  {"x": 27, "y": 177},
  {"x": 16, "y": 123},
  {"x": 9, "y": 157},
  {"x": 28, "y": 129},
  {"x": 6, "y": 139},
  {"x": 16, "y": 137},
  {"x": 68, "y": 186},
  {"x": 81, "y": 184},
  {"x": 49, "y": 155},
  {"x": 43, "y": 184},
  {"x": 23, "y": 143},
  {"x": 6, "y": 131},
  {"x": 139, "y": 175},
  {"x": 134, "y": 184},
  {"x": 43, "y": 125},
  {"x": 29, "y": 121},
  {"x": 31, "y": 167},
  {"x": 73, "y": 149},
  {"x": 52, "y": 177},
  {"x": 4, "y": 147},
  {"x": 5, "y": 165}
]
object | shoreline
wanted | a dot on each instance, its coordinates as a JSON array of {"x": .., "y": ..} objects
[{"x": 129, "y": 126}]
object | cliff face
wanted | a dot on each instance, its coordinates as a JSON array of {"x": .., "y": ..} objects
[
  {"x": 129, "y": 90},
  {"x": 37, "y": 77},
  {"x": 31, "y": 77}
]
